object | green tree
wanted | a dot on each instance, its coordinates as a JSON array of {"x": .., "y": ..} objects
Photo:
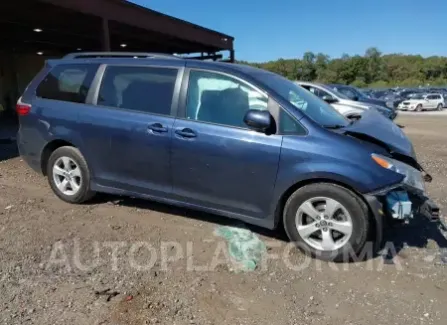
[{"x": 373, "y": 69}]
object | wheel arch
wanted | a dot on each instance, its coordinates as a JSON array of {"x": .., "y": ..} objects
[
  {"x": 278, "y": 222},
  {"x": 289, "y": 191},
  {"x": 49, "y": 148}
]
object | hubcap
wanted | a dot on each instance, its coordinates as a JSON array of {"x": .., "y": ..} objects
[
  {"x": 324, "y": 223},
  {"x": 67, "y": 176}
]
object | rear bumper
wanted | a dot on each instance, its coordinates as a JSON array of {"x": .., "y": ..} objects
[{"x": 31, "y": 159}]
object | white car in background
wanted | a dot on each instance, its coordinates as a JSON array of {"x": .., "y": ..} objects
[
  {"x": 350, "y": 108},
  {"x": 423, "y": 102}
]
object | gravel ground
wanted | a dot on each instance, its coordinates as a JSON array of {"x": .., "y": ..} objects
[{"x": 101, "y": 263}]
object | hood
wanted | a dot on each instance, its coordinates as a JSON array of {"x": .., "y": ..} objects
[
  {"x": 363, "y": 104},
  {"x": 353, "y": 103},
  {"x": 374, "y": 127},
  {"x": 412, "y": 100},
  {"x": 373, "y": 101},
  {"x": 389, "y": 113}
]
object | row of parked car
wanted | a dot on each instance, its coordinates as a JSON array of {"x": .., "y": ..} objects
[
  {"x": 352, "y": 102},
  {"x": 412, "y": 99}
]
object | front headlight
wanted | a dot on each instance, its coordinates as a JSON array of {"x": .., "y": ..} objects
[
  {"x": 413, "y": 177},
  {"x": 390, "y": 104}
]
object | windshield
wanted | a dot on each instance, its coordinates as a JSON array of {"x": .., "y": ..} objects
[
  {"x": 312, "y": 106},
  {"x": 335, "y": 91},
  {"x": 416, "y": 96},
  {"x": 378, "y": 94},
  {"x": 351, "y": 92},
  {"x": 362, "y": 93}
]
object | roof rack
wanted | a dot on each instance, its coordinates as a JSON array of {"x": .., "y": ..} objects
[{"x": 136, "y": 55}]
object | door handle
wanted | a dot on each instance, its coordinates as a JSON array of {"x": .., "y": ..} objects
[
  {"x": 158, "y": 128},
  {"x": 186, "y": 133}
]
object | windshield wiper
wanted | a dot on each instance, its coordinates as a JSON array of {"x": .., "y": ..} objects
[{"x": 334, "y": 126}]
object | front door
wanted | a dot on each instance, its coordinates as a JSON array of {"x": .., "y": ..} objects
[
  {"x": 134, "y": 110},
  {"x": 217, "y": 162}
]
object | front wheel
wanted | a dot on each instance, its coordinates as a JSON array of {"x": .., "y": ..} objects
[
  {"x": 327, "y": 220},
  {"x": 419, "y": 108}
]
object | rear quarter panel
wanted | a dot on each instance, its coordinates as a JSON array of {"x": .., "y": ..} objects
[{"x": 47, "y": 121}]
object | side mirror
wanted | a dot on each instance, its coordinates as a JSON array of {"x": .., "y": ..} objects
[
  {"x": 258, "y": 120},
  {"x": 355, "y": 98},
  {"x": 329, "y": 99}
]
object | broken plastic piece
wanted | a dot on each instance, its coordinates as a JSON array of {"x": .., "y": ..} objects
[
  {"x": 399, "y": 205},
  {"x": 431, "y": 211}
]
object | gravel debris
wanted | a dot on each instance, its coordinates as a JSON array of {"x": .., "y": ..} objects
[{"x": 54, "y": 257}]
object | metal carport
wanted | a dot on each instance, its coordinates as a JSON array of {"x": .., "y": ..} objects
[{"x": 33, "y": 30}]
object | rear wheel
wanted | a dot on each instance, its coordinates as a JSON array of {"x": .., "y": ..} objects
[
  {"x": 419, "y": 108},
  {"x": 440, "y": 107},
  {"x": 327, "y": 220},
  {"x": 69, "y": 176}
]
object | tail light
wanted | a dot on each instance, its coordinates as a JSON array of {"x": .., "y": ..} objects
[{"x": 23, "y": 109}]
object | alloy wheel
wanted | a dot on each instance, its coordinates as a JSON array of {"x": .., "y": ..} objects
[
  {"x": 67, "y": 176},
  {"x": 324, "y": 223}
]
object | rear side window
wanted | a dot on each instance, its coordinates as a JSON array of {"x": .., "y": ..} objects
[
  {"x": 68, "y": 82},
  {"x": 143, "y": 89}
]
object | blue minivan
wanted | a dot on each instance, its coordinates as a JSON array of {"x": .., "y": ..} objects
[{"x": 224, "y": 138}]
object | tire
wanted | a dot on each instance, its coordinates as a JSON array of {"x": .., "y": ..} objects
[
  {"x": 440, "y": 106},
  {"x": 79, "y": 175},
  {"x": 347, "y": 246},
  {"x": 419, "y": 108}
]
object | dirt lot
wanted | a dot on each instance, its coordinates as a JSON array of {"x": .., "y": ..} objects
[{"x": 55, "y": 256}]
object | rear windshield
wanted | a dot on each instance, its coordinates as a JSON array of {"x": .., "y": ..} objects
[{"x": 68, "y": 82}]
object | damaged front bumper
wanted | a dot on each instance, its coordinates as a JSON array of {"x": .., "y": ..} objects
[
  {"x": 427, "y": 208},
  {"x": 404, "y": 203},
  {"x": 401, "y": 203}
]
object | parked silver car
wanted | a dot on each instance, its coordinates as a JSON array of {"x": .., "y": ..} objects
[{"x": 343, "y": 103}]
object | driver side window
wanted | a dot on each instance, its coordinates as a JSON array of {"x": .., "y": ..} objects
[{"x": 220, "y": 99}]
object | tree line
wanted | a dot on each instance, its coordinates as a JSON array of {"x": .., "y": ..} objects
[{"x": 373, "y": 69}]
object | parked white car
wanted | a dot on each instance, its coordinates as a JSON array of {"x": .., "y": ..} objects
[
  {"x": 342, "y": 103},
  {"x": 423, "y": 102}
]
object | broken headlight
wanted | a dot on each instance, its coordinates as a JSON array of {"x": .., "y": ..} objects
[{"x": 413, "y": 177}]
